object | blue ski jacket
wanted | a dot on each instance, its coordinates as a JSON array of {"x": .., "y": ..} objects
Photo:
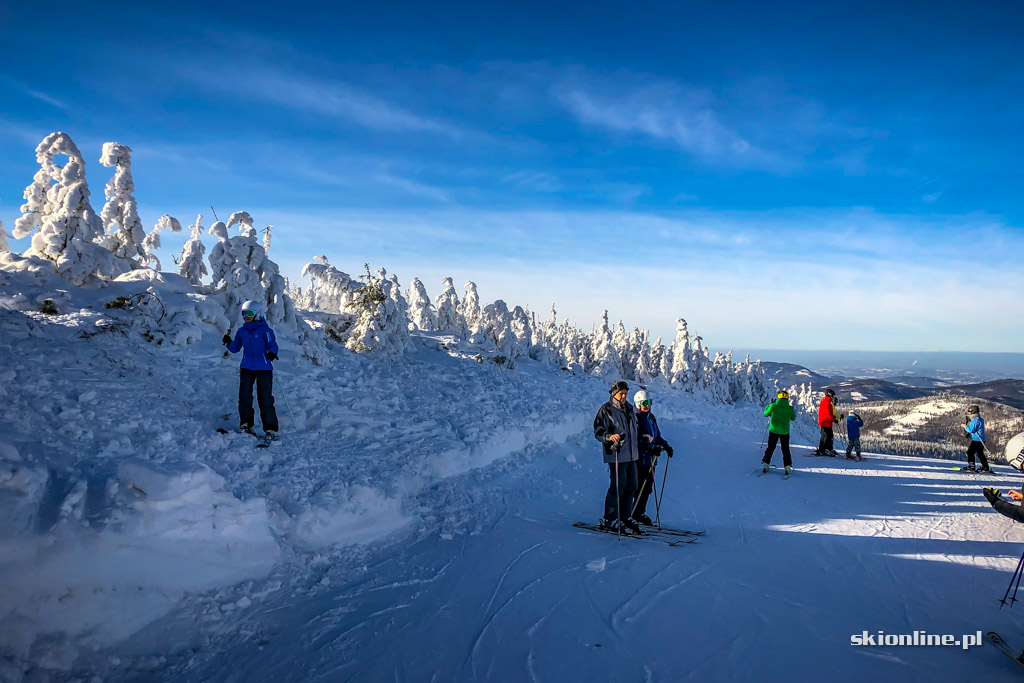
[
  {"x": 976, "y": 428},
  {"x": 853, "y": 425},
  {"x": 646, "y": 424},
  {"x": 254, "y": 339}
]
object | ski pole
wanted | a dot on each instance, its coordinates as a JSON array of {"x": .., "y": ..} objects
[
  {"x": 1015, "y": 578},
  {"x": 618, "y": 500},
  {"x": 657, "y": 502},
  {"x": 763, "y": 438},
  {"x": 654, "y": 490}
]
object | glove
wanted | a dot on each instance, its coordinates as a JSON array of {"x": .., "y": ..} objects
[
  {"x": 226, "y": 340},
  {"x": 668, "y": 451},
  {"x": 270, "y": 355},
  {"x": 992, "y": 495}
]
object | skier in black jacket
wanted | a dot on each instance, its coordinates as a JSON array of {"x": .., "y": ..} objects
[
  {"x": 615, "y": 426},
  {"x": 651, "y": 444}
]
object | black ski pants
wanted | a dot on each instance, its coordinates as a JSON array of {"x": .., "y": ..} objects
[
  {"x": 827, "y": 442},
  {"x": 645, "y": 484},
  {"x": 264, "y": 381},
  {"x": 621, "y": 491},
  {"x": 977, "y": 448},
  {"x": 773, "y": 439}
]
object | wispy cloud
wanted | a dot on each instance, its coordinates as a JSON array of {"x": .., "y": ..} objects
[
  {"x": 43, "y": 97},
  {"x": 663, "y": 111},
  {"x": 327, "y": 97}
]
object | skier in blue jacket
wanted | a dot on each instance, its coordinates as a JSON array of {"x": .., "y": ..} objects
[
  {"x": 976, "y": 428},
  {"x": 258, "y": 345},
  {"x": 853, "y": 425}
]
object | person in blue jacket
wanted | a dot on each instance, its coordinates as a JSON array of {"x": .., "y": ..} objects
[
  {"x": 650, "y": 444},
  {"x": 853, "y": 425},
  {"x": 976, "y": 428},
  {"x": 258, "y": 345}
]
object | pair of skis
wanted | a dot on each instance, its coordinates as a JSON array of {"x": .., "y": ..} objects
[
  {"x": 760, "y": 472},
  {"x": 672, "y": 537},
  {"x": 1003, "y": 647},
  {"x": 264, "y": 442}
]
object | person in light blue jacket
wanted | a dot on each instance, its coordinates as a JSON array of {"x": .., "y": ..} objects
[
  {"x": 975, "y": 427},
  {"x": 259, "y": 348}
]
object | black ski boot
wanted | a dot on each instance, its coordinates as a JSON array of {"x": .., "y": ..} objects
[
  {"x": 644, "y": 519},
  {"x": 632, "y": 525}
]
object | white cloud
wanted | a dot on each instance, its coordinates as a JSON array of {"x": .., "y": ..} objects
[
  {"x": 327, "y": 97},
  {"x": 667, "y": 112}
]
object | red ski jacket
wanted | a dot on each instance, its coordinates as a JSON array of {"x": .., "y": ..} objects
[{"x": 826, "y": 412}]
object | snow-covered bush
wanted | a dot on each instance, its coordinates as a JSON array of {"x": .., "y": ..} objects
[
  {"x": 124, "y": 234},
  {"x": 330, "y": 290},
  {"x": 57, "y": 203}
]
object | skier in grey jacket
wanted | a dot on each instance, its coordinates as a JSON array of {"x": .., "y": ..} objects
[{"x": 615, "y": 426}]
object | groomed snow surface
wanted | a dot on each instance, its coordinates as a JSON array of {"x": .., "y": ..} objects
[{"x": 414, "y": 524}]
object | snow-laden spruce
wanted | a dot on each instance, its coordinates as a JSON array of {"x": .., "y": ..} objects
[
  {"x": 124, "y": 234},
  {"x": 193, "y": 256},
  {"x": 4, "y": 246},
  {"x": 239, "y": 267},
  {"x": 330, "y": 290},
  {"x": 152, "y": 241},
  {"x": 57, "y": 208},
  {"x": 470, "y": 308},
  {"x": 449, "y": 318},
  {"x": 421, "y": 312},
  {"x": 381, "y": 325}
]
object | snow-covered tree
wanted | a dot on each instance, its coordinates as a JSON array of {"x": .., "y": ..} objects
[
  {"x": 447, "y": 306},
  {"x": 4, "y": 246},
  {"x": 152, "y": 241},
  {"x": 330, "y": 290},
  {"x": 266, "y": 238},
  {"x": 681, "y": 370},
  {"x": 665, "y": 360},
  {"x": 192, "y": 266},
  {"x": 421, "y": 311},
  {"x": 471, "y": 308},
  {"x": 239, "y": 267},
  {"x": 124, "y": 232},
  {"x": 57, "y": 203},
  {"x": 381, "y": 327},
  {"x": 395, "y": 291},
  {"x": 605, "y": 357}
]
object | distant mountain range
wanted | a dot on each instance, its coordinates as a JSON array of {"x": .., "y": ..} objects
[{"x": 1006, "y": 391}]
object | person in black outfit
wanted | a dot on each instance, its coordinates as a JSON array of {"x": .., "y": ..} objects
[{"x": 615, "y": 426}]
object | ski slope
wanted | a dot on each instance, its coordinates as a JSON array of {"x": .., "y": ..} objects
[{"x": 414, "y": 524}]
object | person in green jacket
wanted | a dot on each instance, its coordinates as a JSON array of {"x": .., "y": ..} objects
[{"x": 781, "y": 412}]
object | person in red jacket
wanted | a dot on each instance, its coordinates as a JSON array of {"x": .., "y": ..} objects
[{"x": 827, "y": 416}]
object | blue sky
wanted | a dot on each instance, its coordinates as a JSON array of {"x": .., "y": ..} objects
[{"x": 783, "y": 176}]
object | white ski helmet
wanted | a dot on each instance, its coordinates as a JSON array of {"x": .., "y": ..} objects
[
  {"x": 1014, "y": 452},
  {"x": 853, "y": 412},
  {"x": 255, "y": 306},
  {"x": 639, "y": 397}
]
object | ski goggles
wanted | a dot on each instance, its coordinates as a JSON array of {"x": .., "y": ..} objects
[
  {"x": 645, "y": 404},
  {"x": 248, "y": 313}
]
